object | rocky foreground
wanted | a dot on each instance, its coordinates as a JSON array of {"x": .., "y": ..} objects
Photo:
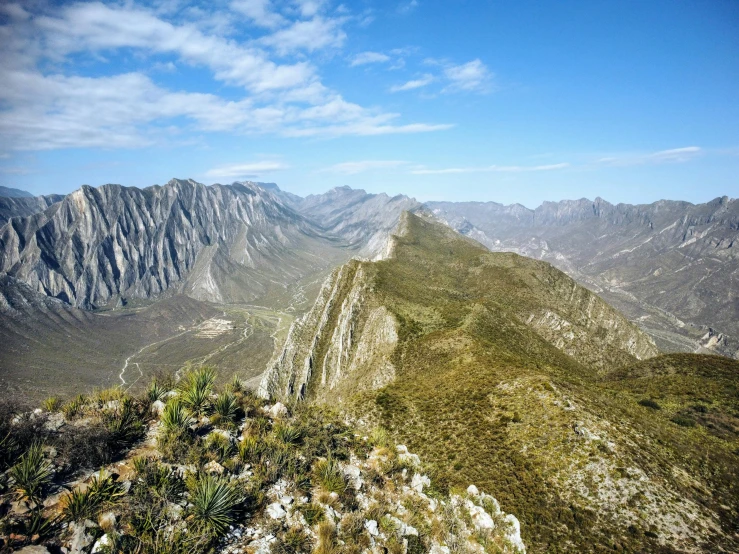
[{"x": 183, "y": 469}]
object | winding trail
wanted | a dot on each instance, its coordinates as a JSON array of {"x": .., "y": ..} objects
[{"x": 128, "y": 360}]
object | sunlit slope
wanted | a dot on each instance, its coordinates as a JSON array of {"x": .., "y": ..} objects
[{"x": 503, "y": 371}]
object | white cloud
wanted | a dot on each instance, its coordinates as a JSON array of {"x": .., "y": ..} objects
[
  {"x": 48, "y": 109},
  {"x": 414, "y": 84},
  {"x": 472, "y": 76},
  {"x": 364, "y": 58},
  {"x": 352, "y": 168},
  {"x": 253, "y": 169},
  {"x": 313, "y": 34},
  {"x": 491, "y": 168},
  {"x": 674, "y": 155},
  {"x": 407, "y": 7},
  {"x": 259, "y": 11}
]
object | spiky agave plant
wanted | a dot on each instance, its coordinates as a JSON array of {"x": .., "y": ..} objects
[
  {"x": 31, "y": 474},
  {"x": 196, "y": 389},
  {"x": 216, "y": 503},
  {"x": 156, "y": 391},
  {"x": 124, "y": 424},
  {"x": 51, "y": 404},
  {"x": 176, "y": 417},
  {"x": 225, "y": 408}
]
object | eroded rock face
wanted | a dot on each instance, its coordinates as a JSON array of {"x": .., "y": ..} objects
[
  {"x": 346, "y": 333},
  {"x": 216, "y": 243},
  {"x": 24, "y": 206}
]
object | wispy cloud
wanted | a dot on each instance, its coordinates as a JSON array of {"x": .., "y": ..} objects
[
  {"x": 472, "y": 76},
  {"x": 48, "y": 109},
  {"x": 674, "y": 155},
  {"x": 364, "y": 58},
  {"x": 408, "y": 7},
  {"x": 246, "y": 170},
  {"x": 490, "y": 168},
  {"x": 352, "y": 168},
  {"x": 423, "y": 81}
]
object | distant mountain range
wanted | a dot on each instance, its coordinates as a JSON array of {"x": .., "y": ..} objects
[{"x": 672, "y": 267}]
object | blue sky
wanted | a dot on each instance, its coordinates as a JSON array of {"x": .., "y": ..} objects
[{"x": 511, "y": 101}]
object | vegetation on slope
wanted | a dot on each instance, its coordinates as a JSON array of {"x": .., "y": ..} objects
[
  {"x": 186, "y": 469},
  {"x": 548, "y": 424}
]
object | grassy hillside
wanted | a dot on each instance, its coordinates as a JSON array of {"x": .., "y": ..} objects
[{"x": 507, "y": 374}]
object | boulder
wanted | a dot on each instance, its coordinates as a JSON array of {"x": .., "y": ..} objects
[
  {"x": 472, "y": 491},
  {"x": 33, "y": 549},
  {"x": 371, "y": 526},
  {"x": 275, "y": 511},
  {"x": 418, "y": 482},
  {"x": 214, "y": 467},
  {"x": 157, "y": 407},
  {"x": 101, "y": 544}
]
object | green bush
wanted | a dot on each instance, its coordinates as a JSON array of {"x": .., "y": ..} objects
[
  {"x": 649, "y": 403},
  {"x": 329, "y": 476},
  {"x": 197, "y": 388},
  {"x": 683, "y": 421}
]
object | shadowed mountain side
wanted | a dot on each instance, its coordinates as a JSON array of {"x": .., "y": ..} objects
[
  {"x": 498, "y": 368},
  {"x": 23, "y": 206}
]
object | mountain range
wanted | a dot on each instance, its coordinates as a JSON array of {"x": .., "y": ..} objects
[{"x": 556, "y": 357}]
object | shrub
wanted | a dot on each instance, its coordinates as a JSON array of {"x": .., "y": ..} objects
[
  {"x": 84, "y": 447},
  {"x": 124, "y": 425},
  {"x": 32, "y": 474},
  {"x": 18, "y": 432},
  {"x": 329, "y": 476},
  {"x": 250, "y": 449},
  {"x": 216, "y": 503},
  {"x": 683, "y": 421},
  {"x": 649, "y": 403}
]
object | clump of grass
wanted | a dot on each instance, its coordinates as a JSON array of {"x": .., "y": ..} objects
[
  {"x": 219, "y": 447},
  {"x": 197, "y": 388},
  {"x": 52, "y": 404},
  {"x": 313, "y": 513},
  {"x": 236, "y": 384},
  {"x": 683, "y": 421},
  {"x": 329, "y": 476},
  {"x": 649, "y": 403},
  {"x": 328, "y": 541},
  {"x": 32, "y": 474},
  {"x": 288, "y": 434},
  {"x": 250, "y": 449},
  {"x": 216, "y": 503},
  {"x": 380, "y": 437},
  {"x": 293, "y": 541},
  {"x": 75, "y": 407}
]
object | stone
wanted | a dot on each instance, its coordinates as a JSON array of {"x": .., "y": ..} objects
[
  {"x": 354, "y": 476},
  {"x": 418, "y": 482},
  {"x": 34, "y": 549},
  {"x": 514, "y": 533},
  {"x": 157, "y": 407},
  {"x": 286, "y": 500},
  {"x": 472, "y": 491},
  {"x": 101, "y": 544},
  {"x": 278, "y": 410},
  {"x": 275, "y": 511},
  {"x": 214, "y": 467},
  {"x": 480, "y": 518},
  {"x": 371, "y": 526},
  {"x": 80, "y": 538},
  {"x": 107, "y": 521}
]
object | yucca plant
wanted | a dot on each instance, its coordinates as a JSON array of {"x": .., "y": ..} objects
[
  {"x": 39, "y": 525},
  {"x": 329, "y": 476},
  {"x": 236, "y": 384},
  {"x": 80, "y": 504},
  {"x": 124, "y": 425},
  {"x": 196, "y": 390},
  {"x": 219, "y": 446},
  {"x": 225, "y": 408},
  {"x": 156, "y": 391},
  {"x": 31, "y": 474},
  {"x": 52, "y": 404},
  {"x": 176, "y": 417},
  {"x": 250, "y": 449},
  {"x": 216, "y": 503}
]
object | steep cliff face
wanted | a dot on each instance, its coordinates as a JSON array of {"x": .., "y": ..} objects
[
  {"x": 343, "y": 343},
  {"x": 23, "y": 206},
  {"x": 666, "y": 265},
  {"x": 502, "y": 370},
  {"x": 217, "y": 243}
]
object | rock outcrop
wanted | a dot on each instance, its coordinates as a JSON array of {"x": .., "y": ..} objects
[{"x": 108, "y": 244}]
